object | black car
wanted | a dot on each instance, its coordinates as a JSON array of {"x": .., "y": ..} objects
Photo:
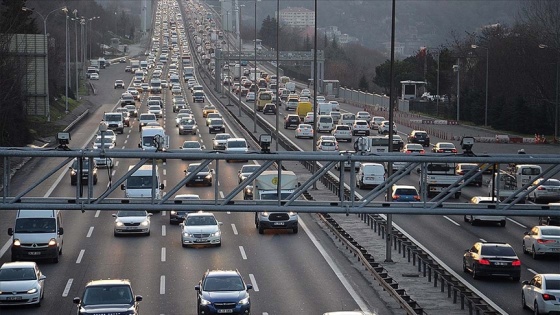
[
  {"x": 112, "y": 296},
  {"x": 223, "y": 292},
  {"x": 398, "y": 143},
  {"x": 419, "y": 136},
  {"x": 291, "y": 121},
  {"x": 84, "y": 173},
  {"x": 216, "y": 126},
  {"x": 269, "y": 109},
  {"x": 492, "y": 259}
]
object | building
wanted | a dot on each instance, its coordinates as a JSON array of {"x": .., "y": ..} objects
[
  {"x": 333, "y": 33},
  {"x": 297, "y": 17}
]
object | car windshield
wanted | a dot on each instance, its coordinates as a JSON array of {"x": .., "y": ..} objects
[
  {"x": 97, "y": 295},
  {"x": 497, "y": 251},
  {"x": 187, "y": 122},
  {"x": 225, "y": 283},
  {"x": 17, "y": 274},
  {"x": 250, "y": 168},
  {"x": 148, "y": 117},
  {"x": 139, "y": 182},
  {"x": 200, "y": 220},
  {"x": 193, "y": 167},
  {"x": 236, "y": 144},
  {"x": 191, "y": 145},
  {"x": 222, "y": 137},
  {"x": 131, "y": 213},
  {"x": 406, "y": 191},
  {"x": 274, "y": 196},
  {"x": 35, "y": 225},
  {"x": 447, "y": 146},
  {"x": 216, "y": 122}
]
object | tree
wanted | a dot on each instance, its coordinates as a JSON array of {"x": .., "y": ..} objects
[{"x": 363, "y": 85}]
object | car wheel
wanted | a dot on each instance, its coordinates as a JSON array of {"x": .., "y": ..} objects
[
  {"x": 55, "y": 260},
  {"x": 473, "y": 221},
  {"x": 525, "y": 251},
  {"x": 465, "y": 269},
  {"x": 523, "y": 301},
  {"x": 534, "y": 253},
  {"x": 503, "y": 223},
  {"x": 475, "y": 273},
  {"x": 261, "y": 229},
  {"x": 116, "y": 234},
  {"x": 219, "y": 244},
  {"x": 295, "y": 230},
  {"x": 147, "y": 233},
  {"x": 465, "y": 218},
  {"x": 536, "y": 308}
]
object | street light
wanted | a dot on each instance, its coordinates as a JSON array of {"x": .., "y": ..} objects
[
  {"x": 255, "y": 74},
  {"x": 240, "y": 47},
  {"x": 457, "y": 68},
  {"x": 88, "y": 36},
  {"x": 66, "y": 62},
  {"x": 486, "y": 98},
  {"x": 64, "y": 9},
  {"x": 75, "y": 19},
  {"x": 543, "y": 46}
]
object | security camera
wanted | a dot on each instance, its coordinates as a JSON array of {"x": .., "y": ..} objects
[
  {"x": 264, "y": 142},
  {"x": 466, "y": 144},
  {"x": 63, "y": 139}
]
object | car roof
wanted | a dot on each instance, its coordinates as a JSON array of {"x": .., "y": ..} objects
[
  {"x": 18, "y": 264},
  {"x": 200, "y": 214},
  {"x": 403, "y": 187},
  {"x": 187, "y": 197},
  {"x": 108, "y": 282},
  {"x": 219, "y": 273}
]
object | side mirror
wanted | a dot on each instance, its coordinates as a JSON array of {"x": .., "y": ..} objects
[
  {"x": 161, "y": 186},
  {"x": 525, "y": 282},
  {"x": 10, "y": 231},
  {"x": 114, "y": 215},
  {"x": 60, "y": 231},
  {"x": 197, "y": 287},
  {"x": 150, "y": 214},
  {"x": 123, "y": 187},
  {"x": 526, "y": 233},
  {"x": 139, "y": 146},
  {"x": 138, "y": 298},
  {"x": 249, "y": 286},
  {"x": 77, "y": 300},
  {"x": 212, "y": 171}
]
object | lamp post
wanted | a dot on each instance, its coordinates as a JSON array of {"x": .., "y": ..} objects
[
  {"x": 543, "y": 46},
  {"x": 486, "y": 97},
  {"x": 46, "y": 47},
  {"x": 277, "y": 69},
  {"x": 240, "y": 47},
  {"x": 89, "y": 35},
  {"x": 75, "y": 19},
  {"x": 66, "y": 61},
  {"x": 227, "y": 60},
  {"x": 255, "y": 74},
  {"x": 456, "y": 68}
]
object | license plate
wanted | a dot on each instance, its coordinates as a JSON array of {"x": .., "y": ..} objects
[
  {"x": 369, "y": 178},
  {"x": 34, "y": 253},
  {"x": 501, "y": 264},
  {"x": 200, "y": 240},
  {"x": 225, "y": 311},
  {"x": 278, "y": 223},
  {"x": 13, "y": 298},
  {"x": 556, "y": 249}
]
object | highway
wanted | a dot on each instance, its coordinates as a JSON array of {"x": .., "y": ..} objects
[{"x": 300, "y": 273}]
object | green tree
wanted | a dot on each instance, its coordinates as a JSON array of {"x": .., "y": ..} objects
[{"x": 364, "y": 84}]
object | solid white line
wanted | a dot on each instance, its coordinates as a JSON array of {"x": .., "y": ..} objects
[
  {"x": 234, "y": 228},
  {"x": 451, "y": 220},
  {"x": 67, "y": 287},
  {"x": 532, "y": 271},
  {"x": 254, "y": 283},
  {"x": 361, "y": 304},
  {"x": 162, "y": 285},
  {"x": 243, "y": 255},
  {"x": 80, "y": 256},
  {"x": 89, "y": 231},
  {"x": 165, "y": 182},
  {"x": 163, "y": 230},
  {"x": 97, "y": 213},
  {"x": 163, "y": 254},
  {"x": 6, "y": 247}
]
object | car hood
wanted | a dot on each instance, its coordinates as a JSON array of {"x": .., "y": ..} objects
[
  {"x": 132, "y": 219},
  {"x": 200, "y": 229},
  {"x": 106, "y": 309},
  {"x": 10, "y": 286},
  {"x": 139, "y": 193},
  {"x": 225, "y": 296}
]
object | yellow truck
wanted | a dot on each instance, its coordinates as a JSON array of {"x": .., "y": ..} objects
[{"x": 303, "y": 108}]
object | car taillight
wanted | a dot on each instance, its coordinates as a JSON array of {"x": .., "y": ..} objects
[
  {"x": 422, "y": 151},
  {"x": 484, "y": 261},
  {"x": 516, "y": 263},
  {"x": 460, "y": 173},
  {"x": 440, "y": 151},
  {"x": 541, "y": 188},
  {"x": 416, "y": 197},
  {"x": 454, "y": 150},
  {"x": 408, "y": 151},
  {"x": 545, "y": 241},
  {"x": 395, "y": 197},
  {"x": 548, "y": 297}
]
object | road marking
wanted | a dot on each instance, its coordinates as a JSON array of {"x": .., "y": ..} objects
[
  {"x": 515, "y": 222},
  {"x": 163, "y": 230},
  {"x": 90, "y": 231},
  {"x": 124, "y": 147},
  {"x": 532, "y": 271},
  {"x": 128, "y": 135},
  {"x": 164, "y": 172},
  {"x": 125, "y": 141},
  {"x": 162, "y": 285},
  {"x": 67, "y": 287},
  {"x": 483, "y": 240},
  {"x": 234, "y": 228},
  {"x": 97, "y": 213},
  {"x": 163, "y": 213},
  {"x": 221, "y": 194},
  {"x": 243, "y": 255},
  {"x": 451, "y": 220},
  {"x": 113, "y": 172},
  {"x": 165, "y": 182},
  {"x": 254, "y": 282},
  {"x": 116, "y": 163},
  {"x": 163, "y": 254},
  {"x": 80, "y": 256}
]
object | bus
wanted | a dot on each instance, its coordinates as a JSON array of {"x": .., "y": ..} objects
[
  {"x": 263, "y": 98},
  {"x": 372, "y": 144}
]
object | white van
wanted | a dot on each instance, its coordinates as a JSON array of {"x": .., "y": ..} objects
[
  {"x": 37, "y": 234},
  {"x": 347, "y": 119},
  {"x": 142, "y": 183},
  {"x": 325, "y": 123},
  {"x": 370, "y": 175}
]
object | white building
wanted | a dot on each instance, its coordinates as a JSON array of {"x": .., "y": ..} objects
[{"x": 297, "y": 17}]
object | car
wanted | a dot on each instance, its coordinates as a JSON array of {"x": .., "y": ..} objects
[
  {"x": 364, "y": 116},
  {"x": 114, "y": 295},
  {"x": 94, "y": 76},
  {"x": 178, "y": 105},
  {"x": 208, "y": 109},
  {"x": 476, "y": 219},
  {"x": 410, "y": 148},
  {"x": 342, "y": 132},
  {"x": 177, "y": 216},
  {"x": 545, "y": 190},
  {"x": 103, "y": 142},
  {"x": 304, "y": 131},
  {"x": 21, "y": 283},
  {"x": 540, "y": 294},
  {"x": 309, "y": 118},
  {"x": 384, "y": 128},
  {"x": 132, "y": 110},
  {"x": 188, "y": 125},
  {"x": 204, "y": 176},
  {"x": 398, "y": 143},
  {"x": 376, "y": 121},
  {"x": 542, "y": 240},
  {"x": 119, "y": 84},
  {"x": 126, "y": 115},
  {"x": 127, "y": 99},
  {"x": 132, "y": 222},
  {"x": 164, "y": 84},
  {"x": 146, "y": 118},
  {"x": 128, "y": 69},
  {"x": 191, "y": 83},
  {"x": 335, "y": 116},
  {"x": 176, "y": 89},
  {"x": 360, "y": 127},
  {"x": 305, "y": 93},
  {"x": 219, "y": 141},
  {"x": 335, "y": 105},
  {"x": 492, "y": 259},
  {"x": 109, "y": 134},
  {"x": 291, "y": 120},
  {"x": 406, "y": 193},
  {"x": 236, "y": 145},
  {"x": 269, "y": 108},
  {"x": 246, "y": 171},
  {"x": 419, "y": 136},
  {"x": 216, "y": 125},
  {"x": 327, "y": 145},
  {"x": 250, "y": 97},
  {"x": 200, "y": 228},
  {"x": 145, "y": 87},
  {"x": 444, "y": 147},
  {"x": 155, "y": 110},
  {"x": 465, "y": 168},
  {"x": 212, "y": 115},
  {"x": 84, "y": 173},
  {"x": 181, "y": 116},
  {"x": 198, "y": 96},
  {"x": 223, "y": 292}
]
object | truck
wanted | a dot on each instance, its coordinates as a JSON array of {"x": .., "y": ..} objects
[
  {"x": 266, "y": 188},
  {"x": 290, "y": 86},
  {"x": 115, "y": 121},
  {"x": 134, "y": 65},
  {"x": 236, "y": 72},
  {"x": 506, "y": 182},
  {"x": 438, "y": 177},
  {"x": 154, "y": 139},
  {"x": 324, "y": 108},
  {"x": 155, "y": 86},
  {"x": 188, "y": 73},
  {"x": 303, "y": 108}
]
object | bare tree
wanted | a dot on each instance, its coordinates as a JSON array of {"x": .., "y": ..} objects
[{"x": 544, "y": 17}]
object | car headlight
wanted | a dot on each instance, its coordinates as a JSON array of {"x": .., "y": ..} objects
[
  {"x": 119, "y": 223},
  {"x": 292, "y": 213},
  {"x": 31, "y": 291},
  {"x": 187, "y": 234},
  {"x": 145, "y": 223},
  {"x": 205, "y": 302},
  {"x": 209, "y": 176},
  {"x": 244, "y": 301},
  {"x": 264, "y": 214},
  {"x": 216, "y": 233},
  {"x": 73, "y": 172},
  {"x": 173, "y": 212},
  {"x": 16, "y": 242}
]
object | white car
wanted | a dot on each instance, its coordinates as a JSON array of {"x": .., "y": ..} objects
[
  {"x": 360, "y": 127},
  {"x": 304, "y": 131},
  {"x": 363, "y": 115},
  {"x": 335, "y": 105},
  {"x": 109, "y": 135},
  {"x": 107, "y": 143},
  {"x": 342, "y": 132},
  {"x": 200, "y": 228},
  {"x": 94, "y": 76},
  {"x": 542, "y": 240},
  {"x": 156, "y": 110},
  {"x": 236, "y": 145},
  {"x": 21, "y": 283},
  {"x": 540, "y": 294},
  {"x": 181, "y": 116},
  {"x": 327, "y": 146},
  {"x": 176, "y": 89},
  {"x": 250, "y": 97},
  {"x": 219, "y": 141},
  {"x": 309, "y": 118},
  {"x": 384, "y": 128},
  {"x": 305, "y": 93},
  {"x": 132, "y": 222},
  {"x": 376, "y": 121}
]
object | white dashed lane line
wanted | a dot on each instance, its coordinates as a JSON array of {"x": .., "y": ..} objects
[
  {"x": 254, "y": 282},
  {"x": 162, "y": 285},
  {"x": 163, "y": 230},
  {"x": 97, "y": 213},
  {"x": 451, "y": 220},
  {"x": 243, "y": 255},
  {"x": 234, "y": 228},
  {"x": 90, "y": 231},
  {"x": 163, "y": 254},
  {"x": 67, "y": 287},
  {"x": 80, "y": 256}
]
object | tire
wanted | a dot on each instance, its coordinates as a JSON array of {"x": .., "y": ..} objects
[
  {"x": 465, "y": 219},
  {"x": 219, "y": 244},
  {"x": 457, "y": 195},
  {"x": 534, "y": 253},
  {"x": 536, "y": 308},
  {"x": 55, "y": 260},
  {"x": 465, "y": 269},
  {"x": 523, "y": 301},
  {"x": 261, "y": 230},
  {"x": 475, "y": 273},
  {"x": 503, "y": 223},
  {"x": 525, "y": 251},
  {"x": 295, "y": 230}
]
